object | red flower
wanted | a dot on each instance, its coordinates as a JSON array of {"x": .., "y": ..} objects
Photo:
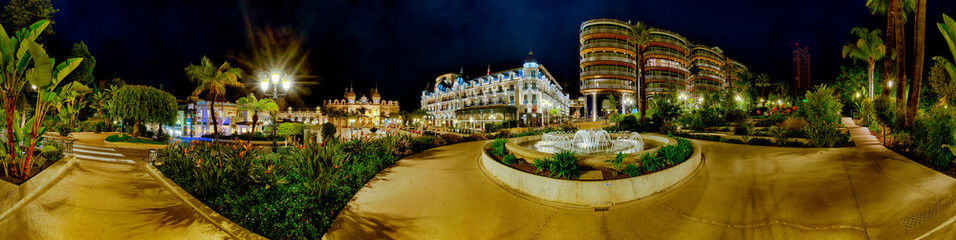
[
  {"x": 773, "y": 109},
  {"x": 758, "y": 111}
]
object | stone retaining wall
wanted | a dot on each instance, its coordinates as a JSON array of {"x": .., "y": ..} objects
[{"x": 589, "y": 193}]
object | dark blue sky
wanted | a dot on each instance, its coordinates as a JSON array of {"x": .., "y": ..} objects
[{"x": 402, "y": 45}]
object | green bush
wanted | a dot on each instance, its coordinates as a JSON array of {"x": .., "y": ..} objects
[
  {"x": 760, "y": 142},
  {"x": 822, "y": 110},
  {"x": 618, "y": 160},
  {"x": 452, "y": 138},
  {"x": 564, "y": 165},
  {"x": 509, "y": 159},
  {"x": 884, "y": 110},
  {"x": 51, "y": 151},
  {"x": 541, "y": 164},
  {"x": 628, "y": 123},
  {"x": 498, "y": 147},
  {"x": 328, "y": 131},
  {"x": 931, "y": 131},
  {"x": 631, "y": 170},
  {"x": 651, "y": 162}
]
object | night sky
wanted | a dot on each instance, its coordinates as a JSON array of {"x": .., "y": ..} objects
[{"x": 403, "y": 45}]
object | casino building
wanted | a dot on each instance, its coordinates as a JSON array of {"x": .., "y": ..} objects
[
  {"x": 529, "y": 95},
  {"x": 608, "y": 64}
]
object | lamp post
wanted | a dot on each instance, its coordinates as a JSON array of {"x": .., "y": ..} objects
[{"x": 276, "y": 81}]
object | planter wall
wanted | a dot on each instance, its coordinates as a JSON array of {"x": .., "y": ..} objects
[{"x": 589, "y": 193}]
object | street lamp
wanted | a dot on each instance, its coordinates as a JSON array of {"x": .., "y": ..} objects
[{"x": 277, "y": 81}]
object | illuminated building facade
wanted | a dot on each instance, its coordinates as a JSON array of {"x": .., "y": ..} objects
[
  {"x": 362, "y": 111},
  {"x": 801, "y": 69},
  {"x": 528, "y": 94},
  {"x": 670, "y": 64}
]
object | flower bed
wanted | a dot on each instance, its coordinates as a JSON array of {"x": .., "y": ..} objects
[{"x": 285, "y": 196}]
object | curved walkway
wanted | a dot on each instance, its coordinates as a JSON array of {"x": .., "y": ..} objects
[
  {"x": 743, "y": 192},
  {"x": 107, "y": 194}
]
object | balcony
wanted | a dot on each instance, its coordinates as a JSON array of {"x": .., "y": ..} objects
[
  {"x": 604, "y": 30},
  {"x": 606, "y": 44},
  {"x": 609, "y": 86},
  {"x": 609, "y": 72},
  {"x": 665, "y": 53},
  {"x": 608, "y": 58}
]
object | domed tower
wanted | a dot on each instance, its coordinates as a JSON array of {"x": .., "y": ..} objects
[
  {"x": 376, "y": 98},
  {"x": 349, "y": 95},
  {"x": 530, "y": 65}
]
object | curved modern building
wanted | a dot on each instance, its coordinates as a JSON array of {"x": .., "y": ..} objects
[
  {"x": 708, "y": 63},
  {"x": 670, "y": 64},
  {"x": 608, "y": 62},
  {"x": 665, "y": 62}
]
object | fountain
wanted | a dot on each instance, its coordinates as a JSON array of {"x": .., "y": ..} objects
[{"x": 590, "y": 142}]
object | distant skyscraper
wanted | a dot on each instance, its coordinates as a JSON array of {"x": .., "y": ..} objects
[{"x": 801, "y": 69}]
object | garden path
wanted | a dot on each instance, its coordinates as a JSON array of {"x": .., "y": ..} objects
[
  {"x": 742, "y": 192},
  {"x": 107, "y": 194}
]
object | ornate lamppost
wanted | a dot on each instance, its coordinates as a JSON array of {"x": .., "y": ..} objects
[{"x": 276, "y": 81}]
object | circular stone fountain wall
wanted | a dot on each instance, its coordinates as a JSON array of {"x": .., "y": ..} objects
[{"x": 586, "y": 193}]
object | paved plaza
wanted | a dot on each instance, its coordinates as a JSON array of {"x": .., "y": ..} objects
[{"x": 742, "y": 192}]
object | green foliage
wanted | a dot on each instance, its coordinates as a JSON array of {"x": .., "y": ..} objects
[
  {"x": 760, "y": 142},
  {"x": 144, "y": 104},
  {"x": 952, "y": 150},
  {"x": 51, "y": 151},
  {"x": 618, "y": 160},
  {"x": 933, "y": 129},
  {"x": 328, "y": 131},
  {"x": 564, "y": 165},
  {"x": 452, "y": 138},
  {"x": 666, "y": 109},
  {"x": 129, "y": 139},
  {"x": 315, "y": 167},
  {"x": 498, "y": 147},
  {"x": 541, "y": 164},
  {"x": 651, "y": 162},
  {"x": 631, "y": 170},
  {"x": 83, "y": 73},
  {"x": 290, "y": 129},
  {"x": 509, "y": 159},
  {"x": 884, "y": 109},
  {"x": 627, "y": 123},
  {"x": 21, "y": 13},
  {"x": 822, "y": 110}
]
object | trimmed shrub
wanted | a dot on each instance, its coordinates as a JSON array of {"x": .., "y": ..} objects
[
  {"x": 452, "y": 138},
  {"x": 822, "y": 110},
  {"x": 760, "y": 142}
]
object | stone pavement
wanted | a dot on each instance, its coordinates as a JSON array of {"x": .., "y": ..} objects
[
  {"x": 742, "y": 192},
  {"x": 107, "y": 194}
]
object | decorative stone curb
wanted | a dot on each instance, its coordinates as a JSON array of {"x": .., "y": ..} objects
[
  {"x": 231, "y": 228},
  {"x": 13, "y": 197},
  {"x": 589, "y": 193}
]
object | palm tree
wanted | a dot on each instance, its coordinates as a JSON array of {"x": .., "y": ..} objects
[
  {"x": 868, "y": 47},
  {"x": 251, "y": 103},
  {"x": 895, "y": 11},
  {"x": 639, "y": 36},
  {"x": 919, "y": 38},
  {"x": 762, "y": 82},
  {"x": 948, "y": 28},
  {"x": 213, "y": 81}
]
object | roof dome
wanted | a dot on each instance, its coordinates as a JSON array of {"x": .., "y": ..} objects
[
  {"x": 530, "y": 58},
  {"x": 349, "y": 94}
]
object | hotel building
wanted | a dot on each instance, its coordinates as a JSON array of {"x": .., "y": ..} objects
[
  {"x": 528, "y": 94},
  {"x": 801, "y": 69},
  {"x": 670, "y": 64}
]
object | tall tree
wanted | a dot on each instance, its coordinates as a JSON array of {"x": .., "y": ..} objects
[
  {"x": 21, "y": 13},
  {"x": 213, "y": 80},
  {"x": 84, "y": 73},
  {"x": 919, "y": 38},
  {"x": 639, "y": 36},
  {"x": 868, "y": 47},
  {"x": 895, "y": 11},
  {"x": 762, "y": 82},
  {"x": 254, "y": 105},
  {"x": 130, "y": 101}
]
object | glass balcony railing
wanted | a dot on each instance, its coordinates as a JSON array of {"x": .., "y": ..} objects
[
  {"x": 613, "y": 45},
  {"x": 608, "y": 58},
  {"x": 608, "y": 72}
]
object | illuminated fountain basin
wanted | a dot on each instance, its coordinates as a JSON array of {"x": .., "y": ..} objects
[{"x": 588, "y": 142}]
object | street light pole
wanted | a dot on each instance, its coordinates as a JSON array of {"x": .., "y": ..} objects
[{"x": 275, "y": 94}]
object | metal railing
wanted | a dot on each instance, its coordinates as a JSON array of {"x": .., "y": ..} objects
[{"x": 65, "y": 143}]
